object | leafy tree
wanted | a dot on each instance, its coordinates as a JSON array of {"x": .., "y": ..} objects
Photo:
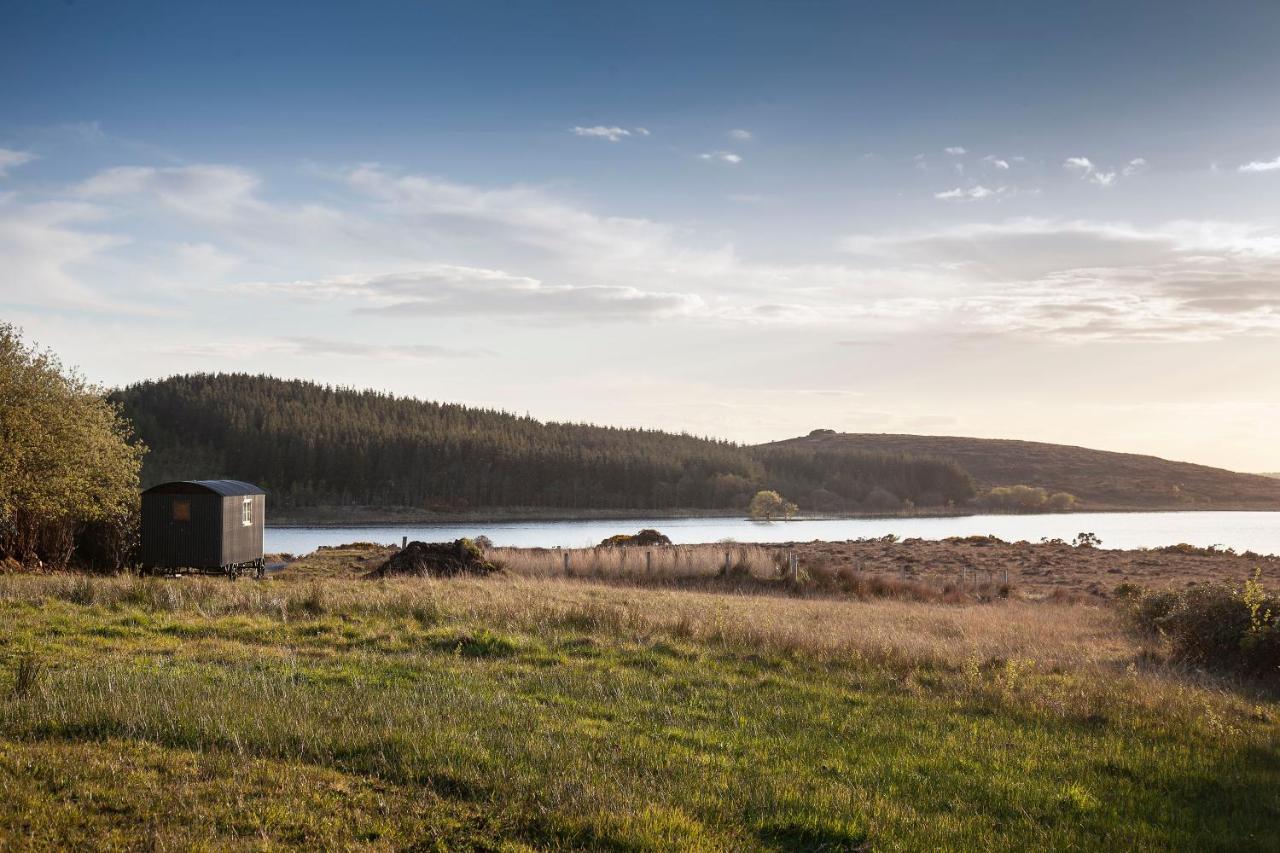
[
  {"x": 768, "y": 504},
  {"x": 68, "y": 464}
]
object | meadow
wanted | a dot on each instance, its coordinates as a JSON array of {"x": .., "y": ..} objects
[{"x": 528, "y": 711}]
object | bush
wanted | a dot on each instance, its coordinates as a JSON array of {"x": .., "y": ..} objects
[
  {"x": 647, "y": 537},
  {"x": 1214, "y": 625},
  {"x": 68, "y": 465}
]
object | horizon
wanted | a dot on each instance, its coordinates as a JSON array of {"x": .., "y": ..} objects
[{"x": 742, "y": 222}]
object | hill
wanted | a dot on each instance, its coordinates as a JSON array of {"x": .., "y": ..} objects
[
  {"x": 311, "y": 445},
  {"x": 1102, "y": 479}
]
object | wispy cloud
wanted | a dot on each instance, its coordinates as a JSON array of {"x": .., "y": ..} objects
[
  {"x": 11, "y": 159},
  {"x": 996, "y": 162},
  {"x": 613, "y": 134},
  {"x": 956, "y": 150},
  {"x": 1134, "y": 166},
  {"x": 1087, "y": 170},
  {"x": 741, "y": 135},
  {"x": 976, "y": 192},
  {"x": 721, "y": 157},
  {"x": 446, "y": 290},
  {"x": 1261, "y": 166}
]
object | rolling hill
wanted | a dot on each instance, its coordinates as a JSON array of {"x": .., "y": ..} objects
[
  {"x": 1101, "y": 479},
  {"x": 317, "y": 446}
]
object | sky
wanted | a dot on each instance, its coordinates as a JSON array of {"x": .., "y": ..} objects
[{"x": 746, "y": 220}]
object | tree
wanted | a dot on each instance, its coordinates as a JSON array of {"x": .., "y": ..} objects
[
  {"x": 767, "y": 505},
  {"x": 68, "y": 464}
]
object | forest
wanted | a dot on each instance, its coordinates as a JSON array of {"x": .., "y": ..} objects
[{"x": 314, "y": 445}]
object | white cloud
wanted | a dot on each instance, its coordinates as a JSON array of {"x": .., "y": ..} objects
[
  {"x": 1085, "y": 169},
  {"x": 11, "y": 159},
  {"x": 956, "y": 150},
  {"x": 643, "y": 131},
  {"x": 741, "y": 135},
  {"x": 976, "y": 192},
  {"x": 1261, "y": 166},
  {"x": 1090, "y": 280},
  {"x": 721, "y": 157},
  {"x": 996, "y": 161},
  {"x": 445, "y": 290},
  {"x": 599, "y": 131}
]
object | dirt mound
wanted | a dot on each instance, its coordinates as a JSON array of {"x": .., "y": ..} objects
[
  {"x": 648, "y": 536},
  {"x": 436, "y": 559}
]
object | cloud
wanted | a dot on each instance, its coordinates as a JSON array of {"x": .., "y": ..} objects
[
  {"x": 956, "y": 150},
  {"x": 45, "y": 248},
  {"x": 1089, "y": 280},
  {"x": 996, "y": 162},
  {"x": 1261, "y": 166},
  {"x": 453, "y": 291},
  {"x": 613, "y": 134},
  {"x": 976, "y": 192},
  {"x": 1085, "y": 169},
  {"x": 741, "y": 135},
  {"x": 1134, "y": 166},
  {"x": 721, "y": 157},
  {"x": 308, "y": 347},
  {"x": 11, "y": 159}
]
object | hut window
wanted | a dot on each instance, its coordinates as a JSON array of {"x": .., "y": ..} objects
[
  {"x": 182, "y": 510},
  {"x": 246, "y": 512}
]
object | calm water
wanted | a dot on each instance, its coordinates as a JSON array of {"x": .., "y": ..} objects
[{"x": 1244, "y": 531}]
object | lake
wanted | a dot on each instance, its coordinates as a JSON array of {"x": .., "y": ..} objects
[{"x": 1243, "y": 531}]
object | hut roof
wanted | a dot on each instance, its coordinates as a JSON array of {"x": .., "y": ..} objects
[{"x": 226, "y": 488}]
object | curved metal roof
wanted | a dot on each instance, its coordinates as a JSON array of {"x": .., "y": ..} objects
[{"x": 226, "y": 488}]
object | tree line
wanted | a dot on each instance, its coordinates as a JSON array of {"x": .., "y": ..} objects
[{"x": 315, "y": 445}]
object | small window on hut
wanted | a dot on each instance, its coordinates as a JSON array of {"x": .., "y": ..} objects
[
  {"x": 246, "y": 512},
  {"x": 182, "y": 510}
]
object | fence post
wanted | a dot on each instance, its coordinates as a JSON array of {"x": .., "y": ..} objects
[
  {"x": 795, "y": 565},
  {"x": 648, "y": 562},
  {"x": 404, "y": 541},
  {"x": 726, "y": 562},
  {"x": 1006, "y": 577},
  {"x": 566, "y": 562}
]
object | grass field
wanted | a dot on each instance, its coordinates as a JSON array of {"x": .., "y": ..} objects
[{"x": 517, "y": 713}]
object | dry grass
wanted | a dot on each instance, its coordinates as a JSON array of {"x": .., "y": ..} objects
[{"x": 551, "y": 713}]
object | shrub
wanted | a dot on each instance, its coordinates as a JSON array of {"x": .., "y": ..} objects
[
  {"x": 1213, "y": 625},
  {"x": 767, "y": 505},
  {"x": 1017, "y": 498},
  {"x": 68, "y": 464}
]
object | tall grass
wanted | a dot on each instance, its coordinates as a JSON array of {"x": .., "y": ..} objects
[
  {"x": 572, "y": 715},
  {"x": 660, "y": 562}
]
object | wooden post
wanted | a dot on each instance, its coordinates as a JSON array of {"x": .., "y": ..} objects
[
  {"x": 794, "y": 561},
  {"x": 726, "y": 562},
  {"x": 1006, "y": 577},
  {"x": 566, "y": 562},
  {"x": 404, "y": 541},
  {"x": 648, "y": 562}
]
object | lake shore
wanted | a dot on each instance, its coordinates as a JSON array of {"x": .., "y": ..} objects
[
  {"x": 373, "y": 516},
  {"x": 1032, "y": 571}
]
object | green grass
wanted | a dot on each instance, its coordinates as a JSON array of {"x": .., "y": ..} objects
[{"x": 478, "y": 715}]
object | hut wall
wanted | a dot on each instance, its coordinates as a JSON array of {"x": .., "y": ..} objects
[
  {"x": 195, "y": 544},
  {"x": 242, "y": 543}
]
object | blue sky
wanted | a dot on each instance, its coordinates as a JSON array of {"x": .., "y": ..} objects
[{"x": 740, "y": 219}]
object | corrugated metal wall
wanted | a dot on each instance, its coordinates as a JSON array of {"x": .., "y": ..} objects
[
  {"x": 194, "y": 544},
  {"x": 242, "y": 543}
]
